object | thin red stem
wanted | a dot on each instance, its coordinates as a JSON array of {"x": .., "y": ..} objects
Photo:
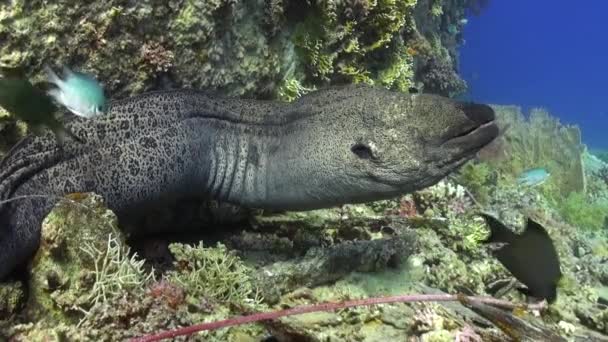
[{"x": 329, "y": 306}]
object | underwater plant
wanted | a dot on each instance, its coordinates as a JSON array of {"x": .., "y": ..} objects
[
  {"x": 540, "y": 141},
  {"x": 579, "y": 211},
  {"x": 475, "y": 176}
]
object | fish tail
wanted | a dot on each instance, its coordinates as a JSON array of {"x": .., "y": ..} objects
[{"x": 52, "y": 76}]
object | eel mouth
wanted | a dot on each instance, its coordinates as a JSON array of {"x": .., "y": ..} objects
[
  {"x": 466, "y": 144},
  {"x": 476, "y": 132},
  {"x": 476, "y": 137}
]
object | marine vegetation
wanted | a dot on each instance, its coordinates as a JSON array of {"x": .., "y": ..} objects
[
  {"x": 582, "y": 212},
  {"x": 83, "y": 262},
  {"x": 538, "y": 141}
]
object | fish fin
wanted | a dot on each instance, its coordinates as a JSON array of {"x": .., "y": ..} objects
[
  {"x": 543, "y": 241},
  {"x": 77, "y": 112},
  {"x": 533, "y": 227},
  {"x": 498, "y": 231},
  {"x": 52, "y": 76},
  {"x": 67, "y": 72}
]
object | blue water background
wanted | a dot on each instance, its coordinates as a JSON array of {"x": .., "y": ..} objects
[{"x": 542, "y": 53}]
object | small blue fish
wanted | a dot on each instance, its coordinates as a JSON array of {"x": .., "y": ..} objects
[
  {"x": 452, "y": 29},
  {"x": 533, "y": 177},
  {"x": 78, "y": 92}
]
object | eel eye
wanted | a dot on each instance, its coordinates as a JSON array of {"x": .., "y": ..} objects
[{"x": 362, "y": 151}]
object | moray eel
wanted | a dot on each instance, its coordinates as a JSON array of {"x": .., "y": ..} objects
[{"x": 346, "y": 144}]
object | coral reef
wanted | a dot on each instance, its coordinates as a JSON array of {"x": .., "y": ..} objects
[
  {"x": 239, "y": 48},
  {"x": 133, "y": 47},
  {"x": 85, "y": 285},
  {"x": 443, "y": 199},
  {"x": 575, "y": 186},
  {"x": 434, "y": 44}
]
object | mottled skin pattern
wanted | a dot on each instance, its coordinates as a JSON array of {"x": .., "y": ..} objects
[{"x": 338, "y": 145}]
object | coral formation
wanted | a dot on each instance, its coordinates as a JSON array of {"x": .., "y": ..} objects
[
  {"x": 130, "y": 47},
  {"x": 443, "y": 199},
  {"x": 574, "y": 187},
  {"x": 212, "y": 272},
  {"x": 239, "y": 48},
  {"x": 82, "y": 262}
]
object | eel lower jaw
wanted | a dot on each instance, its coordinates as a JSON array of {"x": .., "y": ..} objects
[
  {"x": 463, "y": 147},
  {"x": 475, "y": 138}
]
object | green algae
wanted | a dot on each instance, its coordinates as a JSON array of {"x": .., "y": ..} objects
[
  {"x": 476, "y": 177},
  {"x": 582, "y": 212}
]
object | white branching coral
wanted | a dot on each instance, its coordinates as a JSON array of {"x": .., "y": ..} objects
[
  {"x": 213, "y": 272},
  {"x": 443, "y": 199},
  {"x": 115, "y": 272}
]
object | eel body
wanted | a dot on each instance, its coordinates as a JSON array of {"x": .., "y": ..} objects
[{"x": 338, "y": 145}]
